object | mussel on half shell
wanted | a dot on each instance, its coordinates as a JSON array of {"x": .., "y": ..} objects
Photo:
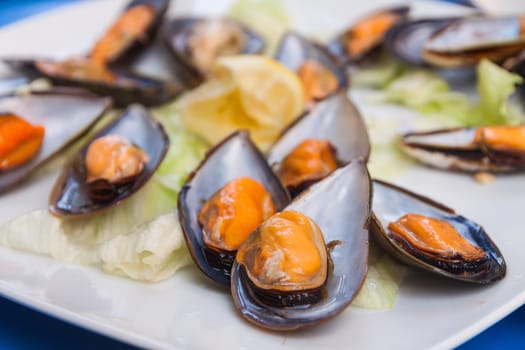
[
  {"x": 340, "y": 206},
  {"x": 335, "y": 120},
  {"x": 73, "y": 196},
  {"x": 494, "y": 148},
  {"x": 195, "y": 42},
  {"x": 123, "y": 86},
  {"x": 65, "y": 114},
  {"x": 450, "y": 245},
  {"x": 233, "y": 158}
]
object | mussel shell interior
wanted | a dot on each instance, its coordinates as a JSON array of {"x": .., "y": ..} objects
[
  {"x": 234, "y": 157},
  {"x": 66, "y": 115},
  {"x": 139, "y": 89},
  {"x": 70, "y": 195},
  {"x": 177, "y": 32},
  {"x": 335, "y": 119},
  {"x": 340, "y": 205},
  {"x": 295, "y": 49},
  {"x": 391, "y": 202},
  {"x": 406, "y": 39}
]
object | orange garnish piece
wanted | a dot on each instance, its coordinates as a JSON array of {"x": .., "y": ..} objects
[
  {"x": 507, "y": 138},
  {"x": 318, "y": 81},
  {"x": 113, "y": 158},
  {"x": 311, "y": 160},
  {"x": 19, "y": 141},
  {"x": 435, "y": 237},
  {"x": 233, "y": 212},
  {"x": 129, "y": 27},
  {"x": 368, "y": 33}
]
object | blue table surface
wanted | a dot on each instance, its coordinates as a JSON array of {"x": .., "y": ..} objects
[{"x": 24, "y": 328}]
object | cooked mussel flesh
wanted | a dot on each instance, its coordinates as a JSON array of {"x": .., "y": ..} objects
[
  {"x": 233, "y": 187},
  {"x": 428, "y": 235},
  {"x": 487, "y": 148},
  {"x": 286, "y": 260},
  {"x": 20, "y": 141},
  {"x": 230, "y": 215},
  {"x": 110, "y": 168}
]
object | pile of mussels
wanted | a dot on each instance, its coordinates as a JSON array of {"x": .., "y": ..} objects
[{"x": 288, "y": 231}]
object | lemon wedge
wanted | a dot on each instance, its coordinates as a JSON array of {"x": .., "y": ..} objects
[{"x": 250, "y": 92}]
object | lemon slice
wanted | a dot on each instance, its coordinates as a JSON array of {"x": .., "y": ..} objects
[{"x": 246, "y": 92}]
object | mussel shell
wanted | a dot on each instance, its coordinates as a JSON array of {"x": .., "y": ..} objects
[
  {"x": 335, "y": 119},
  {"x": 66, "y": 115},
  {"x": 177, "y": 31},
  {"x": 70, "y": 195},
  {"x": 295, "y": 49},
  {"x": 340, "y": 205},
  {"x": 234, "y": 157},
  {"x": 133, "y": 48},
  {"x": 406, "y": 39},
  {"x": 144, "y": 90},
  {"x": 391, "y": 202},
  {"x": 337, "y": 47},
  {"x": 453, "y": 149}
]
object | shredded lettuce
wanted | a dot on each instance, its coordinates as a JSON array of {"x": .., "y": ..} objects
[
  {"x": 267, "y": 18},
  {"x": 378, "y": 76}
]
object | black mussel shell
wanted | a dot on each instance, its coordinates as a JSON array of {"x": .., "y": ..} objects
[
  {"x": 295, "y": 49},
  {"x": 406, "y": 39},
  {"x": 391, "y": 202},
  {"x": 335, "y": 119},
  {"x": 340, "y": 205},
  {"x": 234, "y": 157},
  {"x": 177, "y": 31},
  {"x": 134, "y": 89},
  {"x": 337, "y": 45},
  {"x": 141, "y": 42},
  {"x": 66, "y": 114},
  {"x": 71, "y": 197}
]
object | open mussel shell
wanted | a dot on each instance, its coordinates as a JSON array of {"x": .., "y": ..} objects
[
  {"x": 142, "y": 40},
  {"x": 340, "y": 205},
  {"x": 406, "y": 39},
  {"x": 391, "y": 202},
  {"x": 295, "y": 49},
  {"x": 178, "y": 31},
  {"x": 339, "y": 46},
  {"x": 129, "y": 87},
  {"x": 335, "y": 119},
  {"x": 456, "y": 149},
  {"x": 66, "y": 115},
  {"x": 71, "y": 197},
  {"x": 234, "y": 157}
]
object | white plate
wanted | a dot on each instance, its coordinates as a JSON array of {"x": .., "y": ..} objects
[{"x": 187, "y": 311}]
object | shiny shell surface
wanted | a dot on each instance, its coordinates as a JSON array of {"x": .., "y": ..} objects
[
  {"x": 391, "y": 202},
  {"x": 135, "y": 88},
  {"x": 70, "y": 196},
  {"x": 66, "y": 115},
  {"x": 340, "y": 205},
  {"x": 234, "y": 157}
]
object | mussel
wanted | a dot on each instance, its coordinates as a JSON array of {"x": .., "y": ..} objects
[
  {"x": 233, "y": 163},
  {"x": 123, "y": 86},
  {"x": 132, "y": 31},
  {"x": 333, "y": 132},
  {"x": 489, "y": 148},
  {"x": 80, "y": 191},
  {"x": 428, "y": 235},
  {"x": 339, "y": 206},
  {"x": 367, "y": 35},
  {"x": 320, "y": 73},
  {"x": 195, "y": 42},
  {"x": 64, "y": 114},
  {"x": 458, "y": 42}
]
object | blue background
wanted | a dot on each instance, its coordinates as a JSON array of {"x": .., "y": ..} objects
[{"x": 23, "y": 328}]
